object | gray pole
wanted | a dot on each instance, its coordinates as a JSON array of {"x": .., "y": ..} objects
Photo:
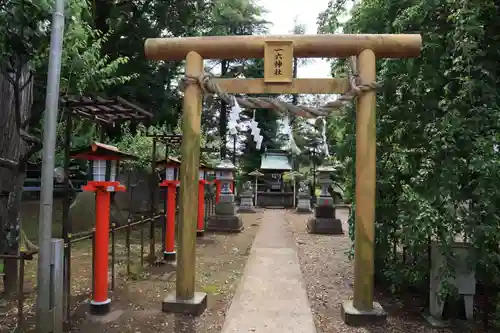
[{"x": 43, "y": 307}]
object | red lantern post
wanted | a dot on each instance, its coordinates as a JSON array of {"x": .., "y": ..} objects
[
  {"x": 200, "y": 226},
  {"x": 217, "y": 190},
  {"x": 170, "y": 183},
  {"x": 104, "y": 159}
]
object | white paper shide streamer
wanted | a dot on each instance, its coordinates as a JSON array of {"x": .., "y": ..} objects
[
  {"x": 255, "y": 132},
  {"x": 234, "y": 116},
  {"x": 325, "y": 144},
  {"x": 291, "y": 143}
]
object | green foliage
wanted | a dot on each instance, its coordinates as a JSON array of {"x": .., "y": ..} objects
[
  {"x": 138, "y": 144},
  {"x": 237, "y": 17},
  {"x": 84, "y": 70},
  {"x": 127, "y": 24},
  {"x": 438, "y": 122}
]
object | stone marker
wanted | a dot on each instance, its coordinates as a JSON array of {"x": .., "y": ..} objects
[{"x": 464, "y": 280}]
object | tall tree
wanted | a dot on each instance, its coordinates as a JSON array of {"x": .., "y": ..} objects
[
  {"x": 437, "y": 126},
  {"x": 234, "y": 17},
  {"x": 154, "y": 84},
  {"x": 24, "y": 42}
]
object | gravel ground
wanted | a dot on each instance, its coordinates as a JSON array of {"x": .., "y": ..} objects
[{"x": 328, "y": 275}]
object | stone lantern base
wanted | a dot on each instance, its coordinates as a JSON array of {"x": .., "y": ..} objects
[
  {"x": 246, "y": 205},
  {"x": 225, "y": 218},
  {"x": 303, "y": 204},
  {"x": 324, "y": 221}
]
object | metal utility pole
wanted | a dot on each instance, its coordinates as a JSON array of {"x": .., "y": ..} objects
[{"x": 44, "y": 306}]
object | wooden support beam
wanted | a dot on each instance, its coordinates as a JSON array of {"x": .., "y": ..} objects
[
  {"x": 364, "y": 244},
  {"x": 304, "y": 46},
  {"x": 297, "y": 86}
]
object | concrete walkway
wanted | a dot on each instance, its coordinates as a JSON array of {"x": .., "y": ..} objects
[{"x": 271, "y": 297}]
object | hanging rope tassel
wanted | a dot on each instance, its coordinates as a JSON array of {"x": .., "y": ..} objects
[{"x": 210, "y": 87}]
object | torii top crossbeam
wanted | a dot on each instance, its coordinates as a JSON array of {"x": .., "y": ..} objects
[{"x": 305, "y": 46}]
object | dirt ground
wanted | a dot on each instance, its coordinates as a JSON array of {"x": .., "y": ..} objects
[
  {"x": 220, "y": 263},
  {"x": 328, "y": 275},
  {"x": 221, "y": 259}
]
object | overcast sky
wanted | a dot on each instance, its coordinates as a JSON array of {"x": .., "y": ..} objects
[{"x": 282, "y": 13}]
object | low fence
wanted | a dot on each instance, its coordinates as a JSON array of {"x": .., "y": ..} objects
[
  {"x": 32, "y": 186},
  {"x": 144, "y": 227}
]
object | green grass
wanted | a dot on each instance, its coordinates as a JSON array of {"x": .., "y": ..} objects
[{"x": 210, "y": 289}]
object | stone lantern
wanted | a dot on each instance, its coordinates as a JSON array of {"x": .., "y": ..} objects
[
  {"x": 304, "y": 199},
  {"x": 463, "y": 278},
  {"x": 324, "y": 220},
  {"x": 325, "y": 180},
  {"x": 246, "y": 204},
  {"x": 225, "y": 218},
  {"x": 224, "y": 173}
]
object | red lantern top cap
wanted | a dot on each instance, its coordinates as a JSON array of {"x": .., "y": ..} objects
[
  {"x": 206, "y": 167},
  {"x": 169, "y": 162},
  {"x": 101, "y": 151}
]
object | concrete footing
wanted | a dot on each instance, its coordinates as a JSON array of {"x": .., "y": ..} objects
[
  {"x": 194, "y": 306},
  {"x": 100, "y": 308},
  {"x": 169, "y": 256},
  {"x": 355, "y": 317},
  {"x": 103, "y": 319}
]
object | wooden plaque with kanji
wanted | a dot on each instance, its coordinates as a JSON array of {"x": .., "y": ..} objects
[{"x": 278, "y": 62}]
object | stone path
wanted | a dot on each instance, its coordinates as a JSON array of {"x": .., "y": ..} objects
[{"x": 271, "y": 296}]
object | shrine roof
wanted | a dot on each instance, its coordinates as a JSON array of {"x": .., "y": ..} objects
[{"x": 275, "y": 161}]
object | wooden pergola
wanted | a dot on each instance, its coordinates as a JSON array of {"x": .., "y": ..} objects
[{"x": 105, "y": 111}]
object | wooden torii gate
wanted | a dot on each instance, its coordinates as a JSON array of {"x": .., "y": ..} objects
[{"x": 278, "y": 53}]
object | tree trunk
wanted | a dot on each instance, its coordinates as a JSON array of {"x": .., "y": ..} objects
[{"x": 16, "y": 98}]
